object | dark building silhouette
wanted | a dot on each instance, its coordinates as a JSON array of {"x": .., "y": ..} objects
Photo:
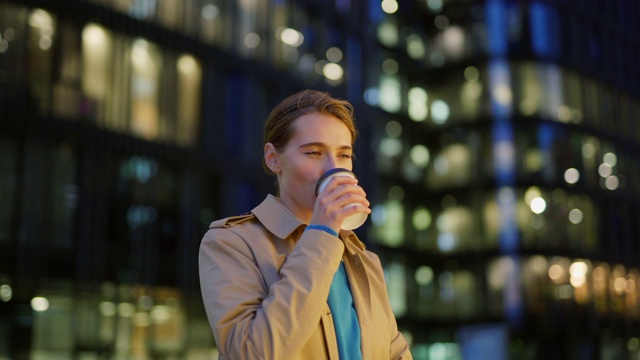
[{"x": 500, "y": 149}]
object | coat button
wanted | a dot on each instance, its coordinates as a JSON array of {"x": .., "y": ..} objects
[{"x": 365, "y": 322}]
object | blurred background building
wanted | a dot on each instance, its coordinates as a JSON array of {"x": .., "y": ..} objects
[{"x": 500, "y": 148}]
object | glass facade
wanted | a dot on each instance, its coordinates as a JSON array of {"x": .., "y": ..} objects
[
  {"x": 125, "y": 132},
  {"x": 507, "y": 157},
  {"x": 499, "y": 148}
]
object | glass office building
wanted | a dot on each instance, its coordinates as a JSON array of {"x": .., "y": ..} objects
[
  {"x": 508, "y": 156},
  {"x": 500, "y": 149}
]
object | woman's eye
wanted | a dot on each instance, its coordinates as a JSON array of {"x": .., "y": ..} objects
[
  {"x": 346, "y": 156},
  {"x": 313, "y": 153}
]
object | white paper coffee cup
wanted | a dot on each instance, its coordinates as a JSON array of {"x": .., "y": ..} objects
[{"x": 354, "y": 221}]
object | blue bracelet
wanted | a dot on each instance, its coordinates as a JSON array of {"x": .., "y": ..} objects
[{"x": 323, "y": 228}]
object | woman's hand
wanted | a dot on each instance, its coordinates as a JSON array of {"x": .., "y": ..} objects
[{"x": 333, "y": 204}]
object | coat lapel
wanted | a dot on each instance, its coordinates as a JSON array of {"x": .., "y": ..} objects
[{"x": 361, "y": 292}]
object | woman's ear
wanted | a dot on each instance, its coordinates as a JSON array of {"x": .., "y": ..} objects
[{"x": 271, "y": 158}]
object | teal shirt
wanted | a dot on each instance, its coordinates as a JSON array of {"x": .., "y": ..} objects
[{"x": 345, "y": 318}]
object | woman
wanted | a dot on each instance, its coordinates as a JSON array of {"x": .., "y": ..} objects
[{"x": 284, "y": 281}]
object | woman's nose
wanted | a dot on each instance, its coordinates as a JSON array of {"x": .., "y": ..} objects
[{"x": 331, "y": 163}]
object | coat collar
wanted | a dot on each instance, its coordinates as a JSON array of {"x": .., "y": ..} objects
[
  {"x": 276, "y": 217},
  {"x": 282, "y": 223}
]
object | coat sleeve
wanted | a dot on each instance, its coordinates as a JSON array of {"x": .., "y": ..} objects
[{"x": 251, "y": 320}]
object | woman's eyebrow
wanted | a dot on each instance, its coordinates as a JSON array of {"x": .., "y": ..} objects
[{"x": 323, "y": 145}]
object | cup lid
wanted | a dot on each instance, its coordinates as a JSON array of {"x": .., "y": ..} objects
[{"x": 331, "y": 172}]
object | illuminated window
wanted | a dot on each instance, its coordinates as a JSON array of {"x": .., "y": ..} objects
[
  {"x": 456, "y": 230},
  {"x": 417, "y": 100},
  {"x": 453, "y": 43},
  {"x": 425, "y": 303},
  {"x": 170, "y": 13},
  {"x": 42, "y": 34},
  {"x": 387, "y": 33},
  {"x": 471, "y": 93},
  {"x": 450, "y": 167},
  {"x": 617, "y": 289},
  {"x": 390, "y": 93},
  {"x": 146, "y": 63},
  {"x": 388, "y": 219},
  {"x": 396, "y": 279},
  {"x": 67, "y": 88},
  {"x": 529, "y": 100},
  {"x": 97, "y": 48},
  {"x": 188, "y": 99},
  {"x": 124, "y": 93},
  {"x": 213, "y": 21},
  {"x": 415, "y": 47},
  {"x": 500, "y": 88},
  {"x": 252, "y": 17}
]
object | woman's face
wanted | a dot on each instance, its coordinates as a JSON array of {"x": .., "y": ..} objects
[{"x": 319, "y": 143}]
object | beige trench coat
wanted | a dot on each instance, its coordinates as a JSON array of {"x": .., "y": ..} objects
[{"x": 265, "y": 285}]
